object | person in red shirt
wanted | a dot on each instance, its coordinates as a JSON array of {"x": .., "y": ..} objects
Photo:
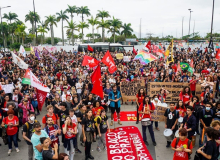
[
  {"x": 182, "y": 146},
  {"x": 96, "y": 110},
  {"x": 180, "y": 107},
  {"x": 59, "y": 74},
  {"x": 192, "y": 83},
  {"x": 174, "y": 67},
  {"x": 146, "y": 108},
  {"x": 162, "y": 95},
  {"x": 139, "y": 99},
  {"x": 50, "y": 113},
  {"x": 11, "y": 123},
  {"x": 185, "y": 95},
  {"x": 204, "y": 95},
  {"x": 205, "y": 71},
  {"x": 69, "y": 131}
]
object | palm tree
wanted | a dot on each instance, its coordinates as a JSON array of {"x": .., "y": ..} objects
[
  {"x": 20, "y": 31},
  {"x": 82, "y": 25},
  {"x": 62, "y": 16},
  {"x": 102, "y": 15},
  {"x": 83, "y": 10},
  {"x": 43, "y": 25},
  {"x": 127, "y": 30},
  {"x": 70, "y": 29},
  {"x": 115, "y": 25},
  {"x": 103, "y": 24},
  {"x": 51, "y": 20},
  {"x": 11, "y": 16},
  {"x": 93, "y": 22},
  {"x": 32, "y": 18},
  {"x": 42, "y": 30},
  {"x": 71, "y": 10}
]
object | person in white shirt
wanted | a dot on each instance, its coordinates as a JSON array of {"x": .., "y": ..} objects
[
  {"x": 112, "y": 81},
  {"x": 79, "y": 86},
  {"x": 65, "y": 92}
]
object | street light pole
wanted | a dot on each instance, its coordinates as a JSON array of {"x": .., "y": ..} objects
[
  {"x": 211, "y": 41},
  {"x": 182, "y": 26},
  {"x": 189, "y": 24},
  {"x": 35, "y": 23},
  {"x": 3, "y": 36}
]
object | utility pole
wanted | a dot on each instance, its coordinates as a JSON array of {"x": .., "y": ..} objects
[
  {"x": 182, "y": 26},
  {"x": 194, "y": 28},
  {"x": 189, "y": 25},
  {"x": 211, "y": 41},
  {"x": 140, "y": 28},
  {"x": 35, "y": 23}
]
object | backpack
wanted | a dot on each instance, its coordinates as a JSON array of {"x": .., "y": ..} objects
[
  {"x": 168, "y": 110},
  {"x": 198, "y": 109},
  {"x": 27, "y": 124},
  {"x": 203, "y": 112}
]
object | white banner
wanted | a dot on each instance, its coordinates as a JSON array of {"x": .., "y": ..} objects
[
  {"x": 37, "y": 84},
  {"x": 8, "y": 88},
  {"x": 127, "y": 58},
  {"x": 19, "y": 61},
  {"x": 22, "y": 51}
]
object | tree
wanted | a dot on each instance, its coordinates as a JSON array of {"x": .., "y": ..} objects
[
  {"x": 48, "y": 40},
  {"x": 70, "y": 29},
  {"x": 62, "y": 16},
  {"x": 102, "y": 15},
  {"x": 127, "y": 30},
  {"x": 82, "y": 25},
  {"x": 42, "y": 30},
  {"x": 103, "y": 24},
  {"x": 51, "y": 20},
  {"x": 89, "y": 36},
  {"x": 20, "y": 31},
  {"x": 93, "y": 22},
  {"x": 4, "y": 32},
  {"x": 44, "y": 27},
  {"x": 115, "y": 25},
  {"x": 83, "y": 10},
  {"x": 10, "y": 17},
  {"x": 71, "y": 10},
  {"x": 31, "y": 17}
]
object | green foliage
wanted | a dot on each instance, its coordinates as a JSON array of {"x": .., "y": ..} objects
[
  {"x": 15, "y": 45},
  {"x": 56, "y": 40}
]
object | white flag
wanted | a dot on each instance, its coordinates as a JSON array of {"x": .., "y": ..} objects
[
  {"x": 22, "y": 51},
  {"x": 17, "y": 60},
  {"x": 37, "y": 84}
]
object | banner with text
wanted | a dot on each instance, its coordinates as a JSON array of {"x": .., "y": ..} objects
[
  {"x": 158, "y": 114},
  {"x": 8, "y": 88},
  {"x": 200, "y": 89},
  {"x": 119, "y": 55},
  {"x": 173, "y": 88},
  {"x": 126, "y": 143},
  {"x": 129, "y": 89},
  {"x": 127, "y": 116}
]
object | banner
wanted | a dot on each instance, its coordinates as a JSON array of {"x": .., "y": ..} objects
[
  {"x": 126, "y": 143},
  {"x": 37, "y": 84},
  {"x": 8, "y": 88},
  {"x": 127, "y": 116},
  {"x": 129, "y": 89},
  {"x": 19, "y": 61},
  {"x": 153, "y": 88},
  {"x": 119, "y": 56},
  {"x": 41, "y": 96},
  {"x": 158, "y": 114},
  {"x": 127, "y": 58},
  {"x": 22, "y": 51},
  {"x": 200, "y": 89}
]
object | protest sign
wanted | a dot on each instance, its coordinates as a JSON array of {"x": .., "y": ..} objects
[
  {"x": 8, "y": 88},
  {"x": 119, "y": 56},
  {"x": 158, "y": 114},
  {"x": 127, "y": 58},
  {"x": 126, "y": 143},
  {"x": 173, "y": 88},
  {"x": 127, "y": 116},
  {"x": 200, "y": 89},
  {"x": 129, "y": 89}
]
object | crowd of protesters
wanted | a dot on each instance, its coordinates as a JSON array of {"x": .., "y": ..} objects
[{"x": 76, "y": 117}]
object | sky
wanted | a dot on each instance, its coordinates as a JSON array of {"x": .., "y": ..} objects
[{"x": 158, "y": 17}]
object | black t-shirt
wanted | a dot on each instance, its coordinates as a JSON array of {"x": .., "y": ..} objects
[
  {"x": 215, "y": 110},
  {"x": 56, "y": 110},
  {"x": 88, "y": 124},
  {"x": 29, "y": 132},
  {"x": 47, "y": 154},
  {"x": 116, "y": 103},
  {"x": 63, "y": 114},
  {"x": 210, "y": 149},
  {"x": 88, "y": 102},
  {"x": 74, "y": 106},
  {"x": 103, "y": 124},
  {"x": 171, "y": 117},
  {"x": 206, "y": 117},
  {"x": 80, "y": 115}
]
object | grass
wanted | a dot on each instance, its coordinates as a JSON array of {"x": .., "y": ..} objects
[{"x": 26, "y": 49}]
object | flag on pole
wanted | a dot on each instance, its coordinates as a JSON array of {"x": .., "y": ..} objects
[
  {"x": 22, "y": 51},
  {"x": 145, "y": 57},
  {"x": 97, "y": 82},
  {"x": 32, "y": 50},
  {"x": 218, "y": 54},
  {"x": 169, "y": 53},
  {"x": 27, "y": 77},
  {"x": 36, "y": 54},
  {"x": 148, "y": 45},
  {"x": 89, "y": 48},
  {"x": 134, "y": 51},
  {"x": 41, "y": 96},
  {"x": 108, "y": 61},
  {"x": 92, "y": 62},
  {"x": 190, "y": 69},
  {"x": 184, "y": 65},
  {"x": 178, "y": 68},
  {"x": 17, "y": 60}
]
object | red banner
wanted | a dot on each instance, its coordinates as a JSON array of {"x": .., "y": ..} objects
[
  {"x": 127, "y": 116},
  {"x": 126, "y": 143},
  {"x": 41, "y": 96}
]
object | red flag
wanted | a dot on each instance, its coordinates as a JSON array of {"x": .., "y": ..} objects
[
  {"x": 191, "y": 63},
  {"x": 92, "y": 62},
  {"x": 218, "y": 55},
  {"x": 89, "y": 48},
  {"x": 148, "y": 45},
  {"x": 108, "y": 61},
  {"x": 97, "y": 82},
  {"x": 41, "y": 96},
  {"x": 134, "y": 51},
  {"x": 178, "y": 68}
]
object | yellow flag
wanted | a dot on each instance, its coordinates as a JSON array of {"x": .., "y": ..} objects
[
  {"x": 169, "y": 53},
  {"x": 32, "y": 50}
]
